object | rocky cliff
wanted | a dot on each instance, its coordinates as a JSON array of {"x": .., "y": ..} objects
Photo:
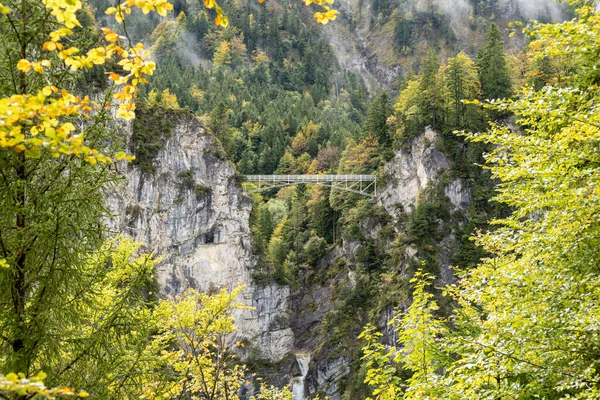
[{"x": 190, "y": 210}]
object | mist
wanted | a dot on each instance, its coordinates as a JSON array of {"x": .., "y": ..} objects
[{"x": 459, "y": 10}]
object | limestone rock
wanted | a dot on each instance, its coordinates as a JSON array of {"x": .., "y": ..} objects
[
  {"x": 193, "y": 214},
  {"x": 409, "y": 172}
]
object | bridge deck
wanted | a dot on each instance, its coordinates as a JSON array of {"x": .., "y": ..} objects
[{"x": 310, "y": 178}]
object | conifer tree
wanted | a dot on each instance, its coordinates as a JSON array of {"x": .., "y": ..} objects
[
  {"x": 462, "y": 83},
  {"x": 431, "y": 101},
  {"x": 493, "y": 66},
  {"x": 376, "y": 123},
  {"x": 219, "y": 125}
]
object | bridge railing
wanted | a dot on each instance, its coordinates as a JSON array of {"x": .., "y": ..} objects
[{"x": 310, "y": 178}]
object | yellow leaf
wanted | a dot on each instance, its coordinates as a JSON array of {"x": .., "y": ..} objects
[
  {"x": 37, "y": 67},
  {"x": 33, "y": 152},
  {"x": 40, "y": 376},
  {"x": 110, "y": 36},
  {"x": 222, "y": 21},
  {"x": 161, "y": 11},
  {"x": 331, "y": 14},
  {"x": 24, "y": 66},
  {"x": 49, "y": 46},
  {"x": 4, "y": 10}
]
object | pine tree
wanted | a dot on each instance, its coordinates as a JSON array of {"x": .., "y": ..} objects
[
  {"x": 219, "y": 125},
  {"x": 493, "y": 66},
  {"x": 431, "y": 102},
  {"x": 265, "y": 222},
  {"x": 462, "y": 83},
  {"x": 273, "y": 40},
  {"x": 376, "y": 123}
]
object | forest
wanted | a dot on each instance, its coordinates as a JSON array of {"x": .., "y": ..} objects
[{"x": 497, "y": 298}]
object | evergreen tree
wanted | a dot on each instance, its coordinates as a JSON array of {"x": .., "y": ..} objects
[
  {"x": 493, "y": 66},
  {"x": 265, "y": 222},
  {"x": 463, "y": 84},
  {"x": 219, "y": 125},
  {"x": 376, "y": 123},
  {"x": 273, "y": 40},
  {"x": 403, "y": 34},
  {"x": 431, "y": 101}
]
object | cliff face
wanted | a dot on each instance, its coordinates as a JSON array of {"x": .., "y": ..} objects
[
  {"x": 192, "y": 212},
  {"x": 410, "y": 172},
  {"x": 366, "y": 41}
]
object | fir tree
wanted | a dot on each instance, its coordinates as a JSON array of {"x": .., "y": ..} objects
[
  {"x": 376, "y": 123},
  {"x": 493, "y": 67},
  {"x": 431, "y": 102},
  {"x": 463, "y": 84},
  {"x": 219, "y": 126}
]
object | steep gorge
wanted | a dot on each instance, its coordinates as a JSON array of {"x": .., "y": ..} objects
[
  {"x": 191, "y": 211},
  {"x": 184, "y": 201}
]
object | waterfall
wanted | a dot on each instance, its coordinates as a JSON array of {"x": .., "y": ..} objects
[{"x": 302, "y": 361}]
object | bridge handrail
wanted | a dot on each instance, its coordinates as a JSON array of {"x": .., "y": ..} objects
[{"x": 311, "y": 178}]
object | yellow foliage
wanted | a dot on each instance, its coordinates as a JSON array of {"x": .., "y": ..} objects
[
  {"x": 169, "y": 100},
  {"x": 34, "y": 386},
  {"x": 325, "y": 17},
  {"x": 197, "y": 94},
  {"x": 34, "y": 122},
  {"x": 222, "y": 55}
]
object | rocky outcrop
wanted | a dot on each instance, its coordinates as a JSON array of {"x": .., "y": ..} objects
[
  {"x": 412, "y": 170},
  {"x": 192, "y": 212},
  {"x": 409, "y": 173}
]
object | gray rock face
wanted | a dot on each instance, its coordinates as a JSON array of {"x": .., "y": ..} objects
[
  {"x": 410, "y": 171},
  {"x": 193, "y": 214},
  {"x": 459, "y": 194}
]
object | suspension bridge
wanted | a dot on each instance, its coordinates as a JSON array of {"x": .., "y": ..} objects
[{"x": 365, "y": 185}]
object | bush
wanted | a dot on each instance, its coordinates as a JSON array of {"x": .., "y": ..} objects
[
  {"x": 315, "y": 249},
  {"x": 151, "y": 128}
]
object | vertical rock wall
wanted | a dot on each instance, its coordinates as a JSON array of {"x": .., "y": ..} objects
[{"x": 192, "y": 212}]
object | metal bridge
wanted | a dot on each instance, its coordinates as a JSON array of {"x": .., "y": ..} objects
[{"x": 365, "y": 185}]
